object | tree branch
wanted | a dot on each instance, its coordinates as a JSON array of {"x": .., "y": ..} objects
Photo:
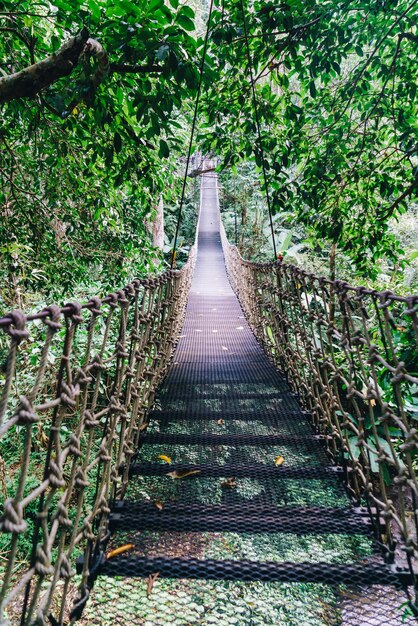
[
  {"x": 33, "y": 79},
  {"x": 406, "y": 194},
  {"x": 120, "y": 68}
]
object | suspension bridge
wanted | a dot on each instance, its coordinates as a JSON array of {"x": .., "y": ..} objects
[{"x": 265, "y": 456}]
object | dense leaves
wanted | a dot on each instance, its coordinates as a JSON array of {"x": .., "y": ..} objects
[
  {"x": 336, "y": 91},
  {"x": 85, "y": 160},
  {"x": 84, "y": 163}
]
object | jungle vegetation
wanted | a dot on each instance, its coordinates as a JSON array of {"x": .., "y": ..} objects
[{"x": 96, "y": 99}]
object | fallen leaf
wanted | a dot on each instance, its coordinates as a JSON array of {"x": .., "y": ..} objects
[
  {"x": 230, "y": 483},
  {"x": 125, "y": 548},
  {"x": 151, "y": 580},
  {"x": 221, "y": 422},
  {"x": 159, "y": 505},
  {"x": 183, "y": 473},
  {"x": 165, "y": 458},
  {"x": 279, "y": 460}
]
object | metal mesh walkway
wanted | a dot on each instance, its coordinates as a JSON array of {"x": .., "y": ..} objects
[{"x": 249, "y": 523}]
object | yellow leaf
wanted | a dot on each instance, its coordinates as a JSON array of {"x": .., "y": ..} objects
[
  {"x": 182, "y": 473},
  {"x": 125, "y": 548},
  {"x": 279, "y": 460},
  {"x": 372, "y": 402},
  {"x": 165, "y": 458},
  {"x": 75, "y": 111}
]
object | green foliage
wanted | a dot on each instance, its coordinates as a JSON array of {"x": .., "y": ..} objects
[
  {"x": 336, "y": 92},
  {"x": 82, "y": 165}
]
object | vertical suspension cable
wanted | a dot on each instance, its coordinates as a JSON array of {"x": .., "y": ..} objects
[
  {"x": 196, "y": 107},
  {"x": 257, "y": 121}
]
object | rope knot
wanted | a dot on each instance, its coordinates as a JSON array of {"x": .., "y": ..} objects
[
  {"x": 89, "y": 420},
  {"x": 16, "y": 329},
  {"x": 74, "y": 446},
  {"x": 103, "y": 454},
  {"x": 399, "y": 374},
  {"x": 68, "y": 394},
  {"x": 94, "y": 305},
  {"x": 113, "y": 300},
  {"x": 25, "y": 413},
  {"x": 43, "y": 565},
  {"x": 82, "y": 377},
  {"x": 88, "y": 530},
  {"x": 74, "y": 313},
  {"x": 122, "y": 299},
  {"x": 411, "y": 442},
  {"x": 53, "y": 319},
  {"x": 56, "y": 478},
  {"x": 81, "y": 478},
  {"x": 66, "y": 570},
  {"x": 12, "y": 520},
  {"x": 62, "y": 515}
]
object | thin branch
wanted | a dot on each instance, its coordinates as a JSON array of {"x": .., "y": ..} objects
[{"x": 121, "y": 68}]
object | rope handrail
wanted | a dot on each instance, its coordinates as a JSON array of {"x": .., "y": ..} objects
[
  {"x": 351, "y": 354},
  {"x": 76, "y": 387}
]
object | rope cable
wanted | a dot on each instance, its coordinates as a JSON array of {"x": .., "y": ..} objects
[
  {"x": 192, "y": 132},
  {"x": 258, "y": 125}
]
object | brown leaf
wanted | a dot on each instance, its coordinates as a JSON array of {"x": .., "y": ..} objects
[
  {"x": 279, "y": 460},
  {"x": 151, "y": 580},
  {"x": 125, "y": 548},
  {"x": 159, "y": 505},
  {"x": 143, "y": 426},
  {"x": 221, "y": 422},
  {"x": 230, "y": 483},
  {"x": 183, "y": 473}
]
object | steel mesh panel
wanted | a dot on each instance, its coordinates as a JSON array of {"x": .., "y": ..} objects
[
  {"x": 187, "y": 602},
  {"x": 248, "y": 518},
  {"x": 259, "y": 424},
  {"x": 326, "y": 492},
  {"x": 306, "y": 452}
]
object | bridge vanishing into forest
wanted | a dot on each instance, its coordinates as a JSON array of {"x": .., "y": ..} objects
[{"x": 266, "y": 474}]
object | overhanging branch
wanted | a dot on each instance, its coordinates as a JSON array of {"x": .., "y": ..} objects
[{"x": 33, "y": 79}]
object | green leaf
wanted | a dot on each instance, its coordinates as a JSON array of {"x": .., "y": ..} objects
[
  {"x": 164, "y": 150},
  {"x": 185, "y": 22},
  {"x": 312, "y": 89},
  {"x": 117, "y": 142}
]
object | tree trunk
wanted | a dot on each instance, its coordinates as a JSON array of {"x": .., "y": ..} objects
[
  {"x": 157, "y": 226},
  {"x": 332, "y": 256}
]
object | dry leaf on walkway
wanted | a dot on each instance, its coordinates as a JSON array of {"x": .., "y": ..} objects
[
  {"x": 230, "y": 483},
  {"x": 279, "y": 460},
  {"x": 183, "y": 473},
  {"x": 125, "y": 548},
  {"x": 151, "y": 580},
  {"x": 159, "y": 505},
  {"x": 164, "y": 457}
]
